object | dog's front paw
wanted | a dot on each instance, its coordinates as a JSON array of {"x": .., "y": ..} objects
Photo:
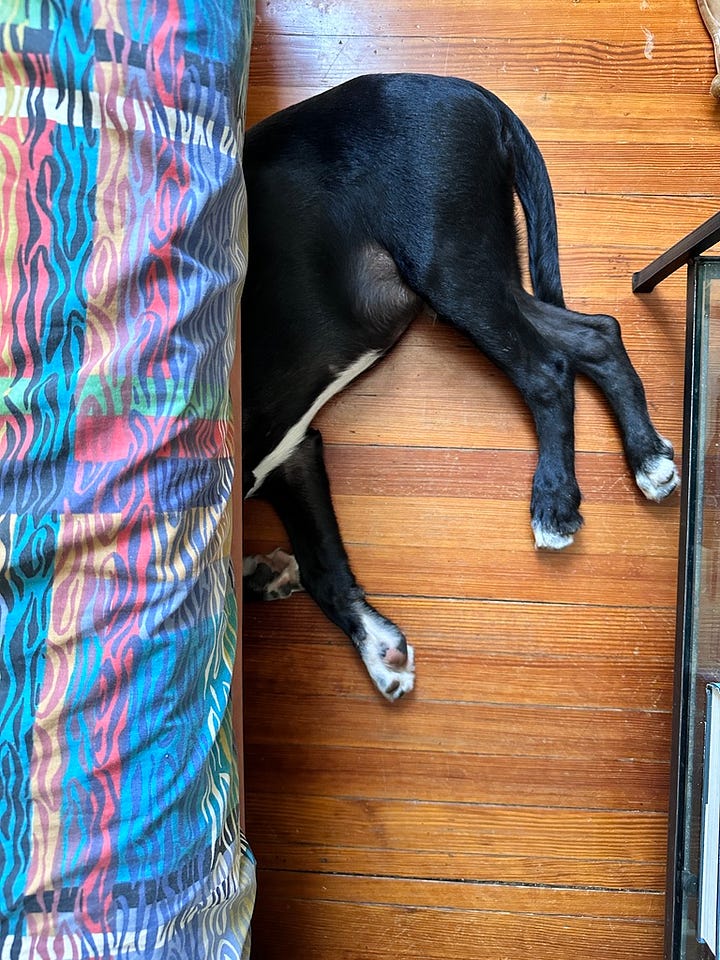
[{"x": 388, "y": 657}]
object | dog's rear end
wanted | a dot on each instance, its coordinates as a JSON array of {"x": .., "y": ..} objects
[{"x": 367, "y": 204}]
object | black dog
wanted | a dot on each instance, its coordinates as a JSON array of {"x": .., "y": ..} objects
[{"x": 367, "y": 204}]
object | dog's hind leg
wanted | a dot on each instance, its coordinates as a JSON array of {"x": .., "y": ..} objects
[
  {"x": 545, "y": 379},
  {"x": 549, "y": 391},
  {"x": 594, "y": 345},
  {"x": 546, "y": 382},
  {"x": 299, "y": 491}
]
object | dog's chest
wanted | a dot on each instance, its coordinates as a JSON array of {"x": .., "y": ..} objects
[{"x": 297, "y": 431}]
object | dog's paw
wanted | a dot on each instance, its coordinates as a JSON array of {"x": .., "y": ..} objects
[
  {"x": 554, "y": 528},
  {"x": 388, "y": 657},
  {"x": 391, "y": 680},
  {"x": 271, "y": 577},
  {"x": 548, "y": 539},
  {"x": 658, "y": 477},
  {"x": 554, "y": 508}
]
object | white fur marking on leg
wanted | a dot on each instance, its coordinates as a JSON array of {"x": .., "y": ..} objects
[
  {"x": 392, "y": 682},
  {"x": 550, "y": 539},
  {"x": 296, "y": 433}
]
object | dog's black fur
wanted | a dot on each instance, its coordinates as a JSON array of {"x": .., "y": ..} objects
[{"x": 367, "y": 204}]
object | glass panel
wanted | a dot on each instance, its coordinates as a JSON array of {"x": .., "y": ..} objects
[{"x": 702, "y": 565}]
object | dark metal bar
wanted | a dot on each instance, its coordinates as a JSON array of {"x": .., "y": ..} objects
[
  {"x": 676, "y": 892},
  {"x": 677, "y": 256}
]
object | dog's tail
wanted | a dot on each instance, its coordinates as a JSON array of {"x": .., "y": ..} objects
[{"x": 533, "y": 187}]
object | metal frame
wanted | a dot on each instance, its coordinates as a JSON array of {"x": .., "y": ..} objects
[
  {"x": 681, "y": 883},
  {"x": 677, "y": 256}
]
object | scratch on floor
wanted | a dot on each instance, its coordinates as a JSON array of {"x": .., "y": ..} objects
[{"x": 649, "y": 43}]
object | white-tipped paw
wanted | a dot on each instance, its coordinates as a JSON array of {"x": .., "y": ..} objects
[
  {"x": 657, "y": 478},
  {"x": 550, "y": 539},
  {"x": 389, "y": 659},
  {"x": 392, "y": 681}
]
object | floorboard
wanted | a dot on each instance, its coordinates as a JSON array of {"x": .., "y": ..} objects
[{"x": 515, "y": 805}]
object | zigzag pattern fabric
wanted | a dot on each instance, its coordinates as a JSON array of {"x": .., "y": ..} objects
[{"x": 122, "y": 251}]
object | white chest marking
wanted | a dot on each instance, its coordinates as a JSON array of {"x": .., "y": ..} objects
[{"x": 296, "y": 433}]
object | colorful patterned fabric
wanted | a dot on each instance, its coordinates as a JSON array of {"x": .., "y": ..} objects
[{"x": 121, "y": 255}]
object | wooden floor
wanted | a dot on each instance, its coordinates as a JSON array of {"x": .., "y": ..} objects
[{"x": 515, "y": 805}]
